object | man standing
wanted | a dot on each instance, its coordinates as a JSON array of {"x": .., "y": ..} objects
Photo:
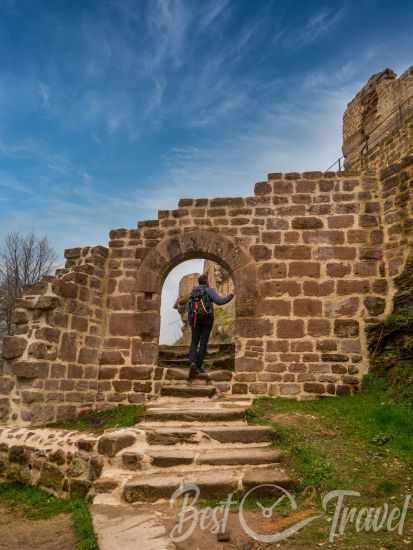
[{"x": 201, "y": 319}]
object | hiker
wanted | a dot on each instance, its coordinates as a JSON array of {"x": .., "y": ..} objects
[{"x": 201, "y": 319}]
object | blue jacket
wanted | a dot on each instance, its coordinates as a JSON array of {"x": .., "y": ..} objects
[{"x": 215, "y": 297}]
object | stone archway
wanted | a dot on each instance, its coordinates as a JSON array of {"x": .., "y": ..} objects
[{"x": 202, "y": 244}]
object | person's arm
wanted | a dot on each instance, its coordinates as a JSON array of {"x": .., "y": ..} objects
[{"x": 217, "y": 299}]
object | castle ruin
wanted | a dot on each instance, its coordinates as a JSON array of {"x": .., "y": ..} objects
[{"x": 313, "y": 257}]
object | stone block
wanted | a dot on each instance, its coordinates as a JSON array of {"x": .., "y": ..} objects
[
  {"x": 253, "y": 328},
  {"x": 307, "y": 307},
  {"x": 68, "y": 347},
  {"x": 13, "y": 346},
  {"x": 307, "y": 222},
  {"x": 346, "y": 328},
  {"x": 375, "y": 305},
  {"x": 136, "y": 373},
  {"x": 145, "y": 324},
  {"x": 304, "y": 269},
  {"x": 51, "y": 477},
  {"x": 111, "y": 357},
  {"x": 26, "y": 369},
  {"x": 247, "y": 364},
  {"x": 313, "y": 387},
  {"x": 48, "y": 334},
  {"x": 272, "y": 270},
  {"x": 110, "y": 445},
  {"x": 144, "y": 353},
  {"x": 289, "y": 328}
]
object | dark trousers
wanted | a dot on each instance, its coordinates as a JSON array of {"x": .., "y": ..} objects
[{"x": 199, "y": 343}]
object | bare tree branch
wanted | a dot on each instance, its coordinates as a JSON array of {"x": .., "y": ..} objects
[{"x": 24, "y": 260}]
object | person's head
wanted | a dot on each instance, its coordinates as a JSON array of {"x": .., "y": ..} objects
[{"x": 203, "y": 279}]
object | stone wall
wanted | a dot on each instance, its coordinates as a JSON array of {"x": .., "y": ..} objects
[
  {"x": 50, "y": 368},
  {"x": 378, "y": 122},
  {"x": 69, "y": 463},
  {"x": 306, "y": 257},
  {"x": 312, "y": 257},
  {"x": 397, "y": 203}
]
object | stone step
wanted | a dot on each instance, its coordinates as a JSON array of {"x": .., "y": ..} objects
[
  {"x": 214, "y": 482},
  {"x": 215, "y": 457},
  {"x": 195, "y": 403},
  {"x": 195, "y": 415},
  {"x": 240, "y": 456},
  {"x": 222, "y": 434},
  {"x": 210, "y": 375},
  {"x": 172, "y": 352},
  {"x": 223, "y": 363},
  {"x": 188, "y": 390}
]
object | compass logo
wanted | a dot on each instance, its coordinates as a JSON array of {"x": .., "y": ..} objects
[{"x": 275, "y": 529}]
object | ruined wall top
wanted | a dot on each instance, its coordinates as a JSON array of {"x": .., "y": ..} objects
[{"x": 383, "y": 107}]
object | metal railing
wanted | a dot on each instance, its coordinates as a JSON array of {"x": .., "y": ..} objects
[{"x": 339, "y": 162}]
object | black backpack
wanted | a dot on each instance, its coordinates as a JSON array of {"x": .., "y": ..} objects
[{"x": 199, "y": 306}]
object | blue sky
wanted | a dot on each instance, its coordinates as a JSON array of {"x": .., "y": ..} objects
[{"x": 110, "y": 110}]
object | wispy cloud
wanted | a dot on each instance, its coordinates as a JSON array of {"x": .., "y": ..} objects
[{"x": 315, "y": 27}]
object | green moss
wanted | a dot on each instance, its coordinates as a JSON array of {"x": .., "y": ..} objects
[
  {"x": 390, "y": 343},
  {"x": 122, "y": 416}
]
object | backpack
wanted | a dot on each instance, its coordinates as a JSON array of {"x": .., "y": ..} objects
[{"x": 199, "y": 306}]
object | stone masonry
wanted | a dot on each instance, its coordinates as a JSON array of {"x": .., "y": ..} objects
[
  {"x": 312, "y": 256},
  {"x": 378, "y": 122}
]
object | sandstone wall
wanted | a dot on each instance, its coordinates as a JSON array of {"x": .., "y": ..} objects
[
  {"x": 378, "y": 122},
  {"x": 312, "y": 247},
  {"x": 312, "y": 256},
  {"x": 69, "y": 463},
  {"x": 50, "y": 368}
]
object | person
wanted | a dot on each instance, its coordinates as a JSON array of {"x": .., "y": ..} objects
[{"x": 201, "y": 319}]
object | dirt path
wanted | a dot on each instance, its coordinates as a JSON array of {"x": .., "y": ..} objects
[{"x": 17, "y": 533}]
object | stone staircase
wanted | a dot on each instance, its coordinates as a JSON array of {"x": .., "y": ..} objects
[
  {"x": 218, "y": 365},
  {"x": 189, "y": 434}
]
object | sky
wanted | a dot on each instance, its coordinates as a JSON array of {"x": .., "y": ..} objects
[{"x": 113, "y": 109}]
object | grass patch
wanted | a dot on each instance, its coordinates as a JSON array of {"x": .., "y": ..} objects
[
  {"x": 371, "y": 417},
  {"x": 361, "y": 442},
  {"x": 35, "y": 504},
  {"x": 122, "y": 416}
]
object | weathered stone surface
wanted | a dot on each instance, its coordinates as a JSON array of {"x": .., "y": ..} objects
[
  {"x": 51, "y": 477},
  {"x": 13, "y": 346},
  {"x": 374, "y": 305},
  {"x": 312, "y": 257},
  {"x": 110, "y": 445},
  {"x": 30, "y": 370}
]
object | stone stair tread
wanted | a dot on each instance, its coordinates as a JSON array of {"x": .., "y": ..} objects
[
  {"x": 240, "y": 456},
  {"x": 202, "y": 435},
  {"x": 255, "y": 477},
  {"x": 196, "y": 403},
  {"x": 212, "y": 482},
  {"x": 167, "y": 458},
  {"x": 188, "y": 390},
  {"x": 193, "y": 414}
]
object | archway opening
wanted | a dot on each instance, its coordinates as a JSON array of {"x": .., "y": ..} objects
[{"x": 175, "y": 330}]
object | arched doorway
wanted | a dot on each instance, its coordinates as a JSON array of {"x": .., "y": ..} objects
[
  {"x": 175, "y": 330},
  {"x": 160, "y": 261}
]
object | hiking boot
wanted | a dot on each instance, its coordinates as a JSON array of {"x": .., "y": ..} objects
[{"x": 192, "y": 372}]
